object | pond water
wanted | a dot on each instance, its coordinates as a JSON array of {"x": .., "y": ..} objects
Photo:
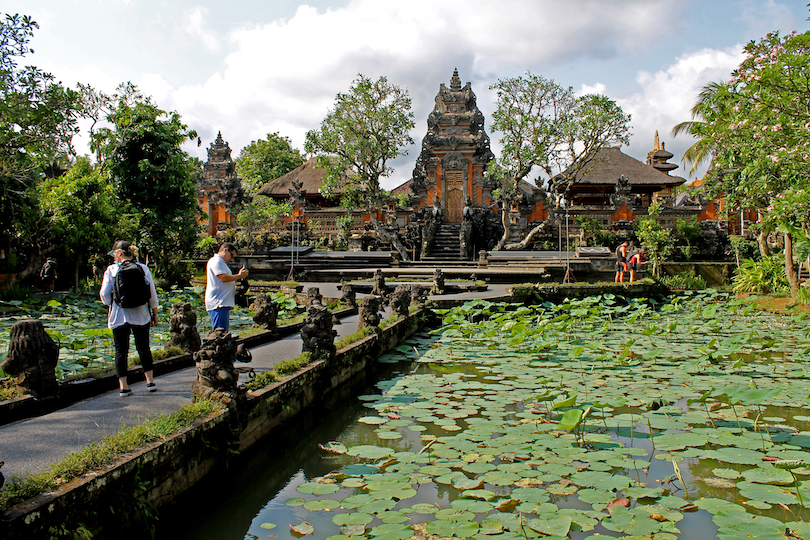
[{"x": 685, "y": 418}]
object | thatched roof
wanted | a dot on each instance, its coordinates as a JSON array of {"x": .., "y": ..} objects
[
  {"x": 611, "y": 163},
  {"x": 309, "y": 174}
]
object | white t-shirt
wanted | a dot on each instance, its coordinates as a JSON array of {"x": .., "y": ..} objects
[
  {"x": 217, "y": 293},
  {"x": 117, "y": 316}
]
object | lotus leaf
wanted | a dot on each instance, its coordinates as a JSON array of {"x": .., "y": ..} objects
[
  {"x": 268, "y": 525},
  {"x": 391, "y": 531},
  {"x": 321, "y": 504},
  {"x": 352, "y": 518},
  {"x": 304, "y": 528},
  {"x": 369, "y": 451},
  {"x": 763, "y": 475},
  {"x": 296, "y": 501},
  {"x": 317, "y": 488}
]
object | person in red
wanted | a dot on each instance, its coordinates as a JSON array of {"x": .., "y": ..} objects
[
  {"x": 636, "y": 261},
  {"x": 621, "y": 261}
]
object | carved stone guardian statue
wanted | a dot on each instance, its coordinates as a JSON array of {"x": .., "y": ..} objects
[
  {"x": 183, "y": 330},
  {"x": 438, "y": 282},
  {"x": 217, "y": 378},
  {"x": 349, "y": 295},
  {"x": 32, "y": 358},
  {"x": 317, "y": 333},
  {"x": 314, "y": 297},
  {"x": 379, "y": 288},
  {"x": 370, "y": 312},
  {"x": 265, "y": 311},
  {"x": 400, "y": 300}
]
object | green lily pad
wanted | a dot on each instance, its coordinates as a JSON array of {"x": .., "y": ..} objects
[
  {"x": 391, "y": 531},
  {"x": 268, "y": 525},
  {"x": 321, "y": 504},
  {"x": 316, "y": 488},
  {"x": 296, "y": 501},
  {"x": 762, "y": 475}
]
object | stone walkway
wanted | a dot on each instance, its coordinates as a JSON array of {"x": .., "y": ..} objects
[{"x": 30, "y": 445}]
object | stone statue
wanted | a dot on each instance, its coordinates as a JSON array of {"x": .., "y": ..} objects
[
  {"x": 265, "y": 311},
  {"x": 438, "y": 282},
  {"x": 32, "y": 358},
  {"x": 314, "y": 297},
  {"x": 317, "y": 333},
  {"x": 349, "y": 295},
  {"x": 217, "y": 379},
  {"x": 370, "y": 312},
  {"x": 183, "y": 328},
  {"x": 379, "y": 288},
  {"x": 400, "y": 300},
  {"x": 418, "y": 297},
  {"x": 242, "y": 288}
]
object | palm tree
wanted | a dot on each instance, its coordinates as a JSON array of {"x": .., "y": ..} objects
[{"x": 711, "y": 103}]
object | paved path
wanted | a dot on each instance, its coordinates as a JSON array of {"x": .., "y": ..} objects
[{"x": 29, "y": 446}]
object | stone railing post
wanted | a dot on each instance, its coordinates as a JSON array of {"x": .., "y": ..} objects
[
  {"x": 183, "y": 329},
  {"x": 317, "y": 334},
  {"x": 32, "y": 358}
]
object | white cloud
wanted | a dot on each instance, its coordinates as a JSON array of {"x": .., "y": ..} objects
[
  {"x": 197, "y": 26},
  {"x": 667, "y": 97}
]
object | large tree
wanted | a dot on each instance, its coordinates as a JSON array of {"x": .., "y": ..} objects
[
  {"x": 367, "y": 128},
  {"x": 264, "y": 160},
  {"x": 37, "y": 121},
  {"x": 761, "y": 135},
  {"x": 79, "y": 209},
  {"x": 547, "y": 127},
  {"x": 154, "y": 179}
]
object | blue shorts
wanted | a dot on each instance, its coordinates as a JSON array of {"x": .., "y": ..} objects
[{"x": 220, "y": 318}]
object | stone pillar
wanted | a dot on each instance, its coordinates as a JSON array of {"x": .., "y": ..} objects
[
  {"x": 438, "y": 282},
  {"x": 32, "y": 358},
  {"x": 183, "y": 330},
  {"x": 483, "y": 258},
  {"x": 349, "y": 295}
]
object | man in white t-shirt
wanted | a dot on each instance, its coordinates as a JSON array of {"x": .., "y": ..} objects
[{"x": 220, "y": 286}]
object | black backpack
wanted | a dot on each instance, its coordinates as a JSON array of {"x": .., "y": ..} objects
[{"x": 130, "y": 288}]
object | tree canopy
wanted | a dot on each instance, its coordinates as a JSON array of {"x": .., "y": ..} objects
[
  {"x": 545, "y": 125},
  {"x": 368, "y": 127},
  {"x": 262, "y": 161},
  {"x": 759, "y": 129}
]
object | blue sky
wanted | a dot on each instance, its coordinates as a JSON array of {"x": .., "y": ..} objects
[{"x": 254, "y": 67}]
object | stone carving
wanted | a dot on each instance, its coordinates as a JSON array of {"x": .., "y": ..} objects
[
  {"x": 32, "y": 358},
  {"x": 370, "y": 312},
  {"x": 622, "y": 194},
  {"x": 438, "y": 282},
  {"x": 217, "y": 379},
  {"x": 466, "y": 240},
  {"x": 400, "y": 300},
  {"x": 265, "y": 311},
  {"x": 219, "y": 180},
  {"x": 349, "y": 295},
  {"x": 314, "y": 297},
  {"x": 183, "y": 330},
  {"x": 418, "y": 296},
  {"x": 379, "y": 288},
  {"x": 241, "y": 297},
  {"x": 317, "y": 333}
]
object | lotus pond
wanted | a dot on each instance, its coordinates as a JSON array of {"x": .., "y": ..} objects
[
  {"x": 78, "y": 323},
  {"x": 681, "y": 418}
]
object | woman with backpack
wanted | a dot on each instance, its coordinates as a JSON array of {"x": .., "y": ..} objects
[{"x": 129, "y": 292}]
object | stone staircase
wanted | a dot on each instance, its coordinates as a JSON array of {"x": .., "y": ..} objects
[{"x": 446, "y": 244}]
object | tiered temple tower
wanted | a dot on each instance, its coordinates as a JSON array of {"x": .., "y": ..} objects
[
  {"x": 455, "y": 154},
  {"x": 219, "y": 189}
]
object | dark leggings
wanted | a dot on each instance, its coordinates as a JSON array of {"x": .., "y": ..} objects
[{"x": 121, "y": 341}]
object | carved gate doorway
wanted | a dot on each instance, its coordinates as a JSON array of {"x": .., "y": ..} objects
[{"x": 454, "y": 200}]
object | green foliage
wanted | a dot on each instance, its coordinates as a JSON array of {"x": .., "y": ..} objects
[
  {"x": 259, "y": 213},
  {"x": 155, "y": 181},
  {"x": 206, "y": 246},
  {"x": 544, "y": 124},
  {"x": 292, "y": 365},
  {"x": 167, "y": 352},
  {"x": 262, "y": 161},
  {"x": 766, "y": 275},
  {"x": 262, "y": 379},
  {"x": 98, "y": 454},
  {"x": 37, "y": 121},
  {"x": 595, "y": 235},
  {"x": 657, "y": 240},
  {"x": 684, "y": 280},
  {"x": 15, "y": 292},
  {"x": 688, "y": 231},
  {"x": 367, "y": 128},
  {"x": 351, "y": 338}
]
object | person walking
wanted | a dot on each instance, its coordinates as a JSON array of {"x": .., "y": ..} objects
[
  {"x": 621, "y": 261},
  {"x": 220, "y": 286},
  {"x": 129, "y": 292}
]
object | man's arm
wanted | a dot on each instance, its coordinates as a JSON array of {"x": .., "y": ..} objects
[{"x": 227, "y": 278}]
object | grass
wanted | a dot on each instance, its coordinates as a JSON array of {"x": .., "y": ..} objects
[
  {"x": 101, "y": 453},
  {"x": 351, "y": 338},
  {"x": 9, "y": 390},
  {"x": 292, "y": 365}
]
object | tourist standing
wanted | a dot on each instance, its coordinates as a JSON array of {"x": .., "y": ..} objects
[
  {"x": 48, "y": 274},
  {"x": 621, "y": 261},
  {"x": 129, "y": 292},
  {"x": 220, "y": 286}
]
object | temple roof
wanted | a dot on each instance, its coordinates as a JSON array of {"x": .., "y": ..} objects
[
  {"x": 309, "y": 174},
  {"x": 611, "y": 163}
]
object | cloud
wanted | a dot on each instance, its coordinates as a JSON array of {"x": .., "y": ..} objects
[
  {"x": 667, "y": 96},
  {"x": 283, "y": 75},
  {"x": 197, "y": 26}
]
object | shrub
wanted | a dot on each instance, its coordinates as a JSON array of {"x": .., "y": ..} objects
[
  {"x": 166, "y": 352},
  {"x": 684, "y": 280},
  {"x": 293, "y": 364},
  {"x": 261, "y": 380},
  {"x": 351, "y": 338},
  {"x": 766, "y": 275}
]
